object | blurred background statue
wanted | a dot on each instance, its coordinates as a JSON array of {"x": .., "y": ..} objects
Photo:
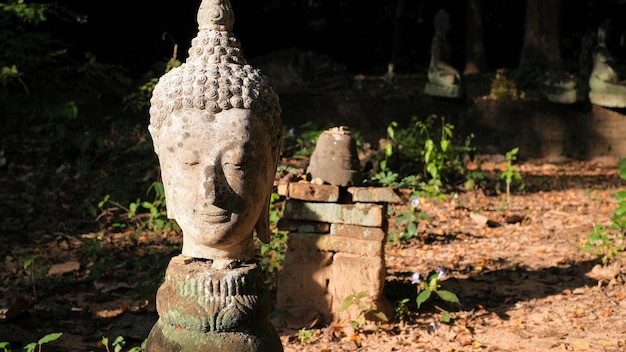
[{"x": 443, "y": 79}]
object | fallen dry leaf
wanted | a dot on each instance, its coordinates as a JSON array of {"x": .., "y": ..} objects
[
  {"x": 111, "y": 313},
  {"x": 581, "y": 346},
  {"x": 64, "y": 268},
  {"x": 606, "y": 312}
]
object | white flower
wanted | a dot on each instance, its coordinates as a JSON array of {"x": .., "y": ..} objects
[
  {"x": 415, "y": 202},
  {"x": 441, "y": 273},
  {"x": 415, "y": 279}
]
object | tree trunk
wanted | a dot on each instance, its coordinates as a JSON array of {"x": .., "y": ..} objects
[
  {"x": 541, "y": 48},
  {"x": 398, "y": 27},
  {"x": 474, "y": 45}
]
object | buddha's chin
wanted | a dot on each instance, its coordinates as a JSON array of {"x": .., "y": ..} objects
[
  {"x": 217, "y": 243},
  {"x": 216, "y": 234}
]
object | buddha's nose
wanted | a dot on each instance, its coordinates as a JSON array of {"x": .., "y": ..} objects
[{"x": 209, "y": 184}]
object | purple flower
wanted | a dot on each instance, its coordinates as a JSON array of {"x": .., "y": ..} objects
[
  {"x": 441, "y": 273},
  {"x": 415, "y": 202},
  {"x": 415, "y": 279}
]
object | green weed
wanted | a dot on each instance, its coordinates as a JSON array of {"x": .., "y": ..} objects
[
  {"x": 510, "y": 173},
  {"x": 423, "y": 155},
  {"x": 364, "y": 306},
  {"x": 143, "y": 215},
  {"x": 610, "y": 242},
  {"x": 386, "y": 178},
  {"x": 430, "y": 285},
  {"x": 139, "y": 101},
  {"x": 301, "y": 141},
  {"x": 272, "y": 254},
  {"x": 34, "y": 346},
  {"x": 29, "y": 263},
  {"x": 119, "y": 343},
  {"x": 401, "y": 310},
  {"x": 503, "y": 87},
  {"x": 407, "y": 222},
  {"x": 308, "y": 336}
]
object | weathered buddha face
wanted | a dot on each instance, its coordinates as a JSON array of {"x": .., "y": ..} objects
[{"x": 217, "y": 171}]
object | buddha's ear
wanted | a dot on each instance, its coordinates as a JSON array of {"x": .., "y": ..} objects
[
  {"x": 262, "y": 226},
  {"x": 169, "y": 198}
]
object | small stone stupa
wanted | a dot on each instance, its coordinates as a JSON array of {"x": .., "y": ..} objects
[
  {"x": 335, "y": 159},
  {"x": 215, "y": 123}
]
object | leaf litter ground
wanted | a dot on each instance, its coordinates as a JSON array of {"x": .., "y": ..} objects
[{"x": 520, "y": 274}]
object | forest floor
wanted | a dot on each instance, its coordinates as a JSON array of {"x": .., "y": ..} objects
[{"x": 523, "y": 281}]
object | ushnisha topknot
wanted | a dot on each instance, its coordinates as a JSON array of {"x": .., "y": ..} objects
[
  {"x": 215, "y": 76},
  {"x": 216, "y": 15}
]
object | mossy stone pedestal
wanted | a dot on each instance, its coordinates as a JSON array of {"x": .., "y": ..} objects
[
  {"x": 202, "y": 309},
  {"x": 446, "y": 91}
]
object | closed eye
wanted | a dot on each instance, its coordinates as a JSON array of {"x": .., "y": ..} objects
[{"x": 233, "y": 166}]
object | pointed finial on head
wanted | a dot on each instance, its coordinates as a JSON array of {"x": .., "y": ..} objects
[{"x": 216, "y": 15}]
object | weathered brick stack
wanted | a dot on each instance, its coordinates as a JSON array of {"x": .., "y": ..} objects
[{"x": 335, "y": 248}]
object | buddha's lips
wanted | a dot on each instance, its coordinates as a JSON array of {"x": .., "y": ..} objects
[{"x": 216, "y": 217}]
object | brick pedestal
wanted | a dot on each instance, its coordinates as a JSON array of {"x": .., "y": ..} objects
[{"x": 335, "y": 248}]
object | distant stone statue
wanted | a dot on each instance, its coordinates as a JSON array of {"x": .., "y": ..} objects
[
  {"x": 443, "y": 79},
  {"x": 215, "y": 123},
  {"x": 605, "y": 88}
]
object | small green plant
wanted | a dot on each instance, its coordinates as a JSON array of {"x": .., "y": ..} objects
[
  {"x": 143, "y": 215},
  {"x": 33, "y": 346},
  {"x": 502, "y": 87},
  {"x": 611, "y": 244},
  {"x": 401, "y": 309},
  {"x": 407, "y": 223},
  {"x": 29, "y": 263},
  {"x": 364, "y": 307},
  {"x": 430, "y": 285},
  {"x": 307, "y": 336},
  {"x": 510, "y": 172},
  {"x": 139, "y": 100},
  {"x": 390, "y": 179},
  {"x": 58, "y": 119},
  {"x": 119, "y": 343},
  {"x": 301, "y": 141},
  {"x": 600, "y": 242},
  {"x": 46, "y": 339},
  {"x": 273, "y": 253},
  {"x": 423, "y": 151},
  {"x": 385, "y": 178},
  {"x": 434, "y": 159},
  {"x": 156, "y": 220},
  {"x": 96, "y": 252},
  {"x": 474, "y": 178}
]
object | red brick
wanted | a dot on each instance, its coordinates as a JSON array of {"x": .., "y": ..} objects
[
  {"x": 356, "y": 214},
  {"x": 358, "y": 232},
  {"x": 374, "y": 195},
  {"x": 303, "y": 226}
]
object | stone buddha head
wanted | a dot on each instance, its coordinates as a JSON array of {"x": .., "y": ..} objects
[{"x": 215, "y": 124}]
